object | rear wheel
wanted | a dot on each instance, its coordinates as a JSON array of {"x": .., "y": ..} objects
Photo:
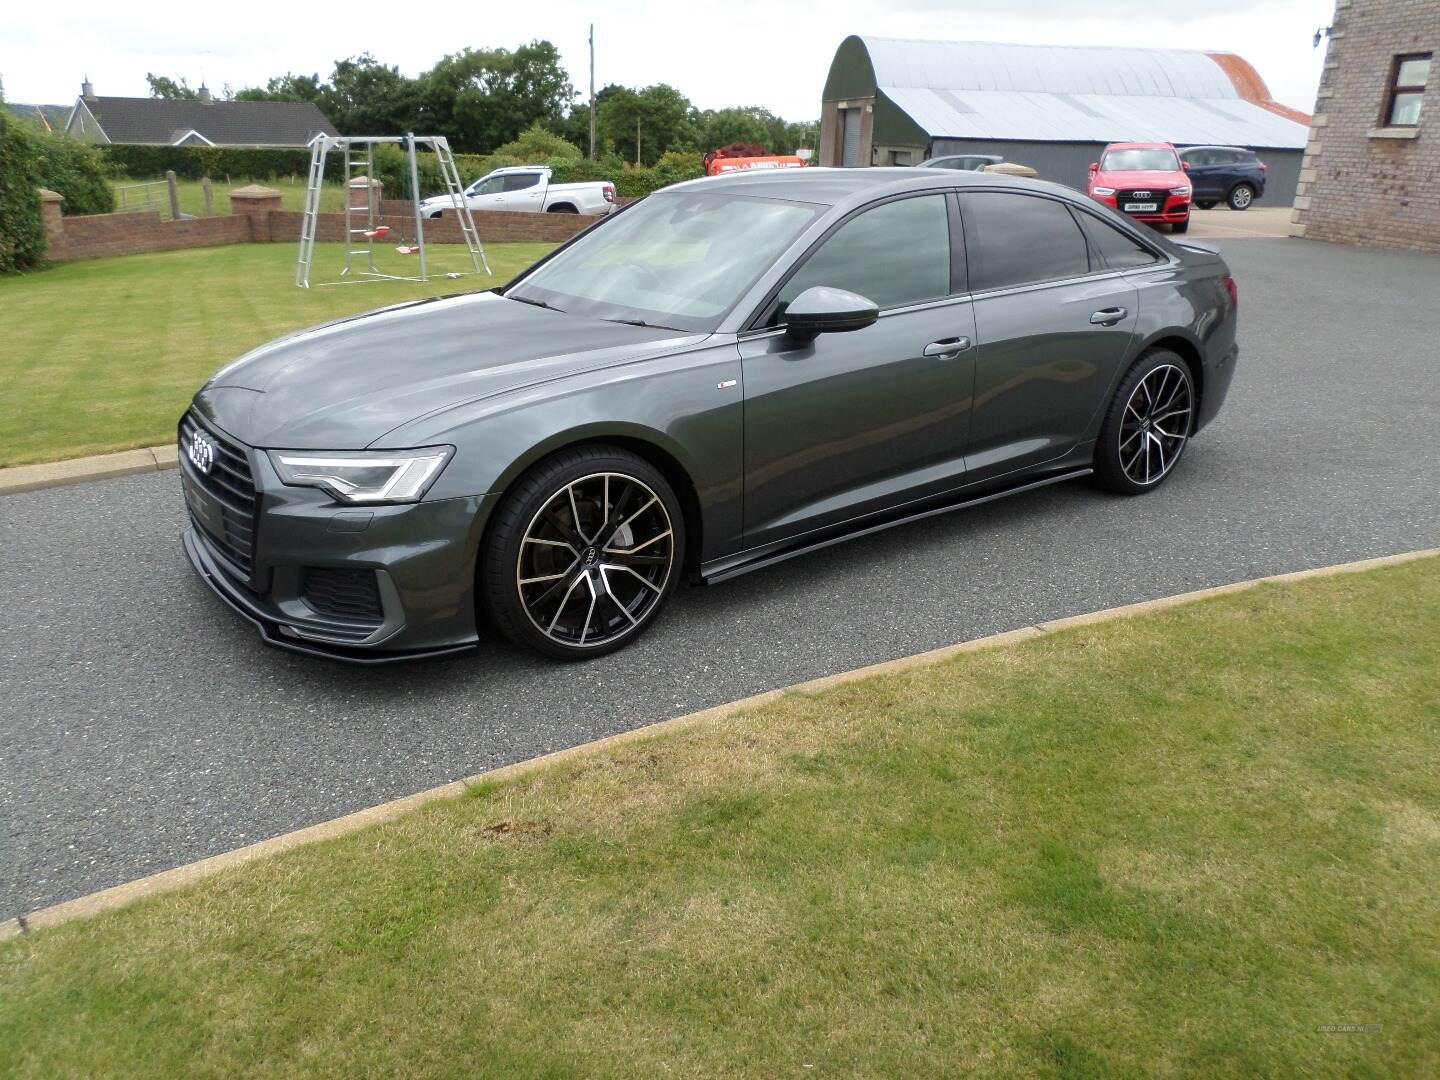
[
  {"x": 562, "y": 208},
  {"x": 584, "y": 552},
  {"x": 1147, "y": 425},
  {"x": 1241, "y": 196}
]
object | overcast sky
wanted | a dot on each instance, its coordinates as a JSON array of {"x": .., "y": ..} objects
[{"x": 773, "y": 53}]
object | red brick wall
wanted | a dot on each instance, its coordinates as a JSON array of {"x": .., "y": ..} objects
[
  {"x": 95, "y": 236},
  {"x": 494, "y": 227},
  {"x": 1357, "y": 185}
]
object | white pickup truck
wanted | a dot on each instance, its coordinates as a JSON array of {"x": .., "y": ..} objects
[{"x": 528, "y": 188}]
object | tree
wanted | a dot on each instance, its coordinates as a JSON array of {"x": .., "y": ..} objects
[
  {"x": 22, "y": 231},
  {"x": 286, "y": 87},
  {"x": 484, "y": 98},
  {"x": 660, "y": 116},
  {"x": 366, "y": 97},
  {"x": 162, "y": 86},
  {"x": 537, "y": 143}
]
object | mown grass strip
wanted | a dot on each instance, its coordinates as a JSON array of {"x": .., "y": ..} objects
[
  {"x": 1182, "y": 843},
  {"x": 105, "y": 354}
]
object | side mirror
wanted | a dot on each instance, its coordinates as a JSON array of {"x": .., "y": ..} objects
[
  {"x": 1094, "y": 166},
  {"x": 1185, "y": 165},
  {"x": 825, "y": 310}
]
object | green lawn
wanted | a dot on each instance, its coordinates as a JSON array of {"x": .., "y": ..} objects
[
  {"x": 104, "y": 354},
  {"x": 192, "y": 198},
  {"x": 1175, "y": 845}
]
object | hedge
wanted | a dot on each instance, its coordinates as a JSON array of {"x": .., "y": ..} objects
[
  {"x": 391, "y": 167},
  {"x": 22, "y": 230},
  {"x": 77, "y": 171}
]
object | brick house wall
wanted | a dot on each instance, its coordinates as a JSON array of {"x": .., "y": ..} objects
[{"x": 1360, "y": 181}]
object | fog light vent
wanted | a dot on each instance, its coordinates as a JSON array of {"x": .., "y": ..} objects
[{"x": 342, "y": 593}]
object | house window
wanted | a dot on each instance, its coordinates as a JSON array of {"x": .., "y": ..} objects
[{"x": 1407, "y": 88}]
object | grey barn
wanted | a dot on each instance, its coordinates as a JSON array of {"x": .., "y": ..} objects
[{"x": 895, "y": 102}]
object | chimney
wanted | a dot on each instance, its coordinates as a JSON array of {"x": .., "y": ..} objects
[
  {"x": 87, "y": 91},
  {"x": 204, "y": 93}
]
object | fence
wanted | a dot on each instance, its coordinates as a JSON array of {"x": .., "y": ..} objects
[{"x": 148, "y": 196}]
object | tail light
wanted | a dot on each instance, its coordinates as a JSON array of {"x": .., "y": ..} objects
[
  {"x": 609, "y": 192},
  {"x": 1233, "y": 290}
]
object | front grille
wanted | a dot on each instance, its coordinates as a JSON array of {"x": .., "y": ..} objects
[
  {"x": 343, "y": 593},
  {"x": 232, "y": 485},
  {"x": 1155, "y": 195}
]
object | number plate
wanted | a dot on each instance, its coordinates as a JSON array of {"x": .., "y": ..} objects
[{"x": 1142, "y": 207}]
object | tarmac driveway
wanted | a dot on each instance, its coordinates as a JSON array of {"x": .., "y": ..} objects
[{"x": 143, "y": 726}]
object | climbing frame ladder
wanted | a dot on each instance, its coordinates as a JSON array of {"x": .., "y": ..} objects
[{"x": 363, "y": 223}]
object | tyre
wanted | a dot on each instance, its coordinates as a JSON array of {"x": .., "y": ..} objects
[
  {"x": 1181, "y": 226},
  {"x": 1146, "y": 426},
  {"x": 1240, "y": 197},
  {"x": 563, "y": 208},
  {"x": 583, "y": 552},
  {"x": 1205, "y": 205}
]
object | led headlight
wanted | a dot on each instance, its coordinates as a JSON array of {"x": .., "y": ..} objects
[
  {"x": 1181, "y": 191},
  {"x": 364, "y": 476},
  {"x": 1102, "y": 191}
]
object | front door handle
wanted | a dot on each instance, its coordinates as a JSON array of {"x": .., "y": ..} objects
[
  {"x": 947, "y": 346},
  {"x": 1108, "y": 317}
]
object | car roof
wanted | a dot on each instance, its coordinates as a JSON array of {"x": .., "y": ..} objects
[
  {"x": 1140, "y": 146},
  {"x": 834, "y": 187},
  {"x": 1217, "y": 146}
]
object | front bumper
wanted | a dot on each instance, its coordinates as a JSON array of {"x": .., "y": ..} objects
[
  {"x": 421, "y": 555},
  {"x": 1176, "y": 210}
]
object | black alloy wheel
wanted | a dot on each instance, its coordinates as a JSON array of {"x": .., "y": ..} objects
[
  {"x": 584, "y": 552},
  {"x": 1147, "y": 425}
]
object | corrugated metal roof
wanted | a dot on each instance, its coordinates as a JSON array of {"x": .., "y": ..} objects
[{"x": 981, "y": 90}]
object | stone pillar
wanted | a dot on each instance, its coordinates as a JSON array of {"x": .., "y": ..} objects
[
  {"x": 256, "y": 203},
  {"x": 55, "y": 246}
]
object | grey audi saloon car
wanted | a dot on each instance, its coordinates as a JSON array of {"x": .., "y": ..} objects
[{"x": 726, "y": 374}]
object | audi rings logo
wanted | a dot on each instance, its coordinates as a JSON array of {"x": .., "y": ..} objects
[
  {"x": 201, "y": 451},
  {"x": 1141, "y": 194}
]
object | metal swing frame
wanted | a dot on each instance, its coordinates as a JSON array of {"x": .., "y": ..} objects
[{"x": 359, "y": 152}]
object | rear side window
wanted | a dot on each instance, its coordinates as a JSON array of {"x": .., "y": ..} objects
[
  {"x": 1116, "y": 250},
  {"x": 1018, "y": 239},
  {"x": 521, "y": 181},
  {"x": 897, "y": 253}
]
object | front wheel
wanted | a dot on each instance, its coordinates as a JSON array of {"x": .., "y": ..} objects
[
  {"x": 1241, "y": 196},
  {"x": 1205, "y": 205},
  {"x": 1147, "y": 425},
  {"x": 584, "y": 552},
  {"x": 1181, "y": 226}
]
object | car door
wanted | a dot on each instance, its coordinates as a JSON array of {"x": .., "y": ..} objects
[
  {"x": 487, "y": 194},
  {"x": 524, "y": 191},
  {"x": 1052, "y": 326},
  {"x": 1205, "y": 174},
  {"x": 854, "y": 422}
]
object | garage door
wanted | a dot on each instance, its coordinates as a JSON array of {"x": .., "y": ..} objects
[{"x": 850, "y": 153}]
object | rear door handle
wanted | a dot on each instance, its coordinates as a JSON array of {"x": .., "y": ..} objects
[
  {"x": 1108, "y": 316},
  {"x": 947, "y": 346}
]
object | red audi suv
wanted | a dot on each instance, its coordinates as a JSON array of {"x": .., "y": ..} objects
[{"x": 1144, "y": 180}]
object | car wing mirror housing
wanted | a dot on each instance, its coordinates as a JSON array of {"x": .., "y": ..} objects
[
  {"x": 1094, "y": 166},
  {"x": 823, "y": 309},
  {"x": 1185, "y": 165}
]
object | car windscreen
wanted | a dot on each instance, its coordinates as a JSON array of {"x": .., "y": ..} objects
[
  {"x": 679, "y": 259},
  {"x": 1141, "y": 161}
]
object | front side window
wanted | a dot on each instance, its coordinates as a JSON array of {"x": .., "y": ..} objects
[
  {"x": 491, "y": 185},
  {"x": 1019, "y": 239},
  {"x": 898, "y": 253},
  {"x": 678, "y": 259},
  {"x": 1140, "y": 161},
  {"x": 1407, "y": 89}
]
